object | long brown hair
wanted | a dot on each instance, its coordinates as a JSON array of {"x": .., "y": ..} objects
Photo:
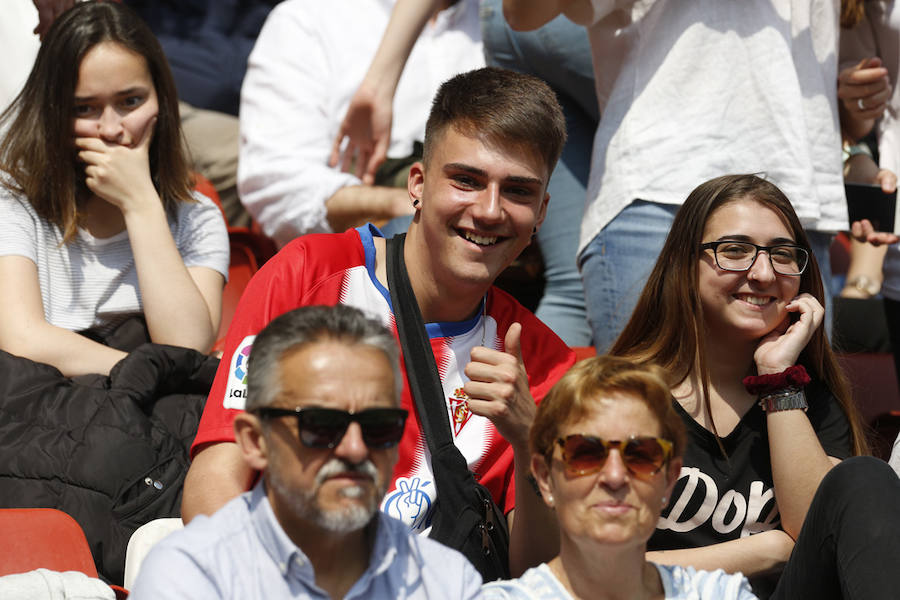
[
  {"x": 37, "y": 152},
  {"x": 852, "y": 12},
  {"x": 503, "y": 107},
  {"x": 667, "y": 326}
]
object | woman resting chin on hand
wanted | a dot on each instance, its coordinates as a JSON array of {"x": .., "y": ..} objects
[
  {"x": 100, "y": 223},
  {"x": 733, "y": 312}
]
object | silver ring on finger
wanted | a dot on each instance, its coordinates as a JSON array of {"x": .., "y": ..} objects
[{"x": 859, "y": 104}]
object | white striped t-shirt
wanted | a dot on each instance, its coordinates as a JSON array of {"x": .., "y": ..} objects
[{"x": 91, "y": 283}]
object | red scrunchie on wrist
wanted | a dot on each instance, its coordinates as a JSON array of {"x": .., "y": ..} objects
[{"x": 794, "y": 376}]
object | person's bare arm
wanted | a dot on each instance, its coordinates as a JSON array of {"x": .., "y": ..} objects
[
  {"x": 798, "y": 465},
  {"x": 181, "y": 306},
  {"x": 25, "y": 332},
  {"x": 498, "y": 389},
  {"x": 367, "y": 124},
  {"x": 217, "y": 474},
  {"x": 534, "y": 534},
  {"x": 866, "y": 259},
  {"x": 758, "y": 554},
  {"x": 798, "y": 460},
  {"x": 355, "y": 205}
]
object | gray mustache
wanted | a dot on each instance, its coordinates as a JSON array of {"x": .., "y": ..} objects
[{"x": 339, "y": 465}]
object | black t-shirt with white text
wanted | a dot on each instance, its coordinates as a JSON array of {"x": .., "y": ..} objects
[{"x": 717, "y": 498}]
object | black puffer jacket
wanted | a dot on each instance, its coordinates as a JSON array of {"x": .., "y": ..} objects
[{"x": 110, "y": 451}]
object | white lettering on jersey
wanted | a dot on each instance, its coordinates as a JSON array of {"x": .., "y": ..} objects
[
  {"x": 236, "y": 389},
  {"x": 410, "y": 501}
]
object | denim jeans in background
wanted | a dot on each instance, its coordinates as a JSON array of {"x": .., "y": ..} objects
[
  {"x": 558, "y": 53},
  {"x": 615, "y": 266},
  {"x": 617, "y": 262}
]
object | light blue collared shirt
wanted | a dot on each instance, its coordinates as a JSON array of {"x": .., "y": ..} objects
[{"x": 242, "y": 552}]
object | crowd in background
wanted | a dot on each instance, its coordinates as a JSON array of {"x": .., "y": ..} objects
[{"x": 681, "y": 171}]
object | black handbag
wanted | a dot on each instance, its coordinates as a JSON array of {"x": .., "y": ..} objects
[{"x": 464, "y": 515}]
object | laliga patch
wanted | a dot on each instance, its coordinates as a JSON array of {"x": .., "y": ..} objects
[
  {"x": 459, "y": 410},
  {"x": 236, "y": 389}
]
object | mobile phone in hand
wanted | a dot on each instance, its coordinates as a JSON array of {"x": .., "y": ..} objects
[{"x": 867, "y": 201}]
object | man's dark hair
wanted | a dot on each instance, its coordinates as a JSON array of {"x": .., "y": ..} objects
[{"x": 502, "y": 107}]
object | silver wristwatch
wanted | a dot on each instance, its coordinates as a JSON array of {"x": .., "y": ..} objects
[{"x": 785, "y": 399}]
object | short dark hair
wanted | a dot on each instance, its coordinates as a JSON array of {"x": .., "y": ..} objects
[
  {"x": 308, "y": 325},
  {"x": 37, "y": 152},
  {"x": 503, "y": 107}
]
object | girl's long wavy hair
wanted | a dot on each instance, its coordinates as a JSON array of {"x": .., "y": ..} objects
[
  {"x": 38, "y": 154},
  {"x": 667, "y": 327},
  {"x": 852, "y": 12}
]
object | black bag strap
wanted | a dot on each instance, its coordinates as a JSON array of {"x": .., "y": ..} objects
[
  {"x": 489, "y": 549},
  {"x": 421, "y": 369}
]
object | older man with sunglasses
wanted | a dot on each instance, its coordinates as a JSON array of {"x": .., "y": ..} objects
[{"x": 322, "y": 424}]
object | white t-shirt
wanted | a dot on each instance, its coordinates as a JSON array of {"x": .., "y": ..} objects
[
  {"x": 679, "y": 583},
  {"x": 91, "y": 283},
  {"x": 308, "y": 61},
  {"x": 689, "y": 91}
]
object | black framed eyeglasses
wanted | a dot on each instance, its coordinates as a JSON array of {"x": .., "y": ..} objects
[
  {"x": 586, "y": 454},
  {"x": 786, "y": 259},
  {"x": 325, "y": 427}
]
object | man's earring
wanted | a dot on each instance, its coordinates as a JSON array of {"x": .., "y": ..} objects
[{"x": 416, "y": 203}]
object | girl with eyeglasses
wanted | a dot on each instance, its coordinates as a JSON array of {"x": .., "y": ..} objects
[
  {"x": 99, "y": 221},
  {"x": 732, "y": 311},
  {"x": 607, "y": 449}
]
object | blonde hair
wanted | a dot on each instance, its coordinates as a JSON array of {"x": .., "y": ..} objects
[{"x": 585, "y": 384}]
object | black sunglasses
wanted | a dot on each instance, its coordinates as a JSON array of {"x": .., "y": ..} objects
[{"x": 325, "y": 427}]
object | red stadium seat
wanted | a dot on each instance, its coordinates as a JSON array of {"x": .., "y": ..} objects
[{"x": 44, "y": 538}]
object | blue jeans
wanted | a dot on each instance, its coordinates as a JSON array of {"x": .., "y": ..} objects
[
  {"x": 558, "y": 53},
  {"x": 617, "y": 262}
]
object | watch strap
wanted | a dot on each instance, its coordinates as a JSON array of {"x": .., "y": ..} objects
[{"x": 785, "y": 399}]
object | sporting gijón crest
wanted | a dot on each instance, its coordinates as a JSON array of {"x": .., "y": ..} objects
[{"x": 459, "y": 410}]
